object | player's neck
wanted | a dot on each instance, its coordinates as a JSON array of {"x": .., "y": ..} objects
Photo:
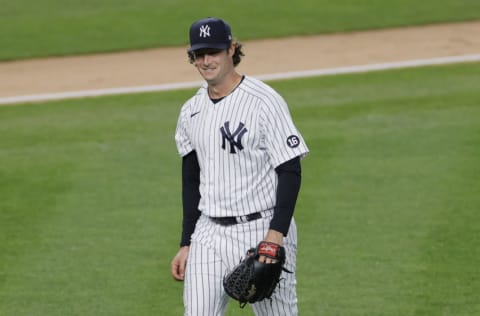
[{"x": 225, "y": 87}]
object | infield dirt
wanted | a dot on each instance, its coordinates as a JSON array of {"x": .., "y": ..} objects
[{"x": 170, "y": 65}]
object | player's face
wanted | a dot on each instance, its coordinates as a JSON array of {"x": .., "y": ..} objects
[{"x": 214, "y": 64}]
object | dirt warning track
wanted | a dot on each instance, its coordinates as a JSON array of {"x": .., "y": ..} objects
[{"x": 169, "y": 66}]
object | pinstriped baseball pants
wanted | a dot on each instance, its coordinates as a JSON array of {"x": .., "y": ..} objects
[{"x": 215, "y": 250}]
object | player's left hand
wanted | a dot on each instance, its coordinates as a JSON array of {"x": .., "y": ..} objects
[
  {"x": 275, "y": 237},
  {"x": 252, "y": 281}
]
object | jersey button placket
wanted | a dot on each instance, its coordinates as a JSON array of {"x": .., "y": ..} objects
[{"x": 211, "y": 139}]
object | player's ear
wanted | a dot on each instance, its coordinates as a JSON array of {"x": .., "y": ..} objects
[{"x": 231, "y": 49}]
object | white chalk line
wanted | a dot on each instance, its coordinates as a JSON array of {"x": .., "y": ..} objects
[{"x": 274, "y": 76}]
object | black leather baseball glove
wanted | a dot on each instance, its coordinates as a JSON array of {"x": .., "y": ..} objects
[{"x": 251, "y": 280}]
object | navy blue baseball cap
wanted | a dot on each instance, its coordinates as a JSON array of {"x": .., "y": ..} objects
[{"x": 210, "y": 33}]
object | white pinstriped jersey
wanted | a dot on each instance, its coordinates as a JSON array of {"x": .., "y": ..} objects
[{"x": 239, "y": 141}]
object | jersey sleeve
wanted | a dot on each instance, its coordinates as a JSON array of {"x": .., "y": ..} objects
[
  {"x": 282, "y": 140},
  {"x": 182, "y": 138}
]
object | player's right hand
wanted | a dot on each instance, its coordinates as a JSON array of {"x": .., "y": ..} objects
[{"x": 179, "y": 263}]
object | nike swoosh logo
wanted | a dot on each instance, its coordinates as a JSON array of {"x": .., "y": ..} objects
[{"x": 192, "y": 115}]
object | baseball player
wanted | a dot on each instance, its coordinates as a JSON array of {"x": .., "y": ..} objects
[{"x": 240, "y": 175}]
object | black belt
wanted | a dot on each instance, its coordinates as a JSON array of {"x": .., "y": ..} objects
[{"x": 233, "y": 220}]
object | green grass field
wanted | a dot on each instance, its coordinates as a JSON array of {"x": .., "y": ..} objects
[
  {"x": 387, "y": 215},
  {"x": 32, "y": 28}
]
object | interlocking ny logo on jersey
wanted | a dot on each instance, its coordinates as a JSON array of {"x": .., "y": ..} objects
[
  {"x": 205, "y": 31},
  {"x": 234, "y": 139}
]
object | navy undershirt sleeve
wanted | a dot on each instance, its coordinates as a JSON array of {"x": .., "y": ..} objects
[
  {"x": 289, "y": 179},
  {"x": 190, "y": 196}
]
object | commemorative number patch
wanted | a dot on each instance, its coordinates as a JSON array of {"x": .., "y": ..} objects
[{"x": 293, "y": 141}]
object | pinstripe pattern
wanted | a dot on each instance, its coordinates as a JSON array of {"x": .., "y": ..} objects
[
  {"x": 245, "y": 182},
  {"x": 215, "y": 250},
  {"x": 238, "y": 141}
]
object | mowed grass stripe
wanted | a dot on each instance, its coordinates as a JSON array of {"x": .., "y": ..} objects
[
  {"x": 55, "y": 27},
  {"x": 397, "y": 169},
  {"x": 387, "y": 215}
]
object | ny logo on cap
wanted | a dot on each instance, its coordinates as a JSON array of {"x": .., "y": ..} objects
[{"x": 205, "y": 31}]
